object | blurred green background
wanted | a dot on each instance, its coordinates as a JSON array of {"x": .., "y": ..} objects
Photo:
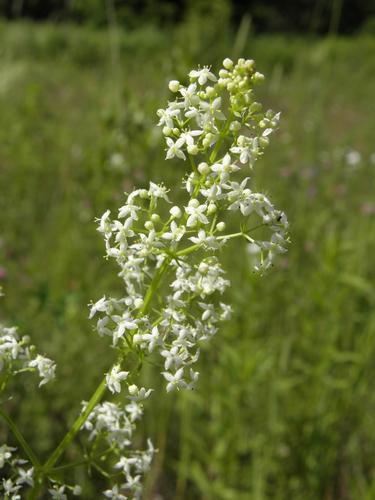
[{"x": 285, "y": 404}]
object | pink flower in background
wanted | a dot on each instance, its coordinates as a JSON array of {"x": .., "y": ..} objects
[
  {"x": 3, "y": 273},
  {"x": 367, "y": 208}
]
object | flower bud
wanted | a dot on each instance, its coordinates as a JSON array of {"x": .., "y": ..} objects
[
  {"x": 203, "y": 267},
  {"x": 211, "y": 208},
  {"x": 167, "y": 131},
  {"x": 138, "y": 303},
  {"x": 174, "y": 85},
  {"x": 194, "y": 203},
  {"x": 257, "y": 77},
  {"x": 235, "y": 126},
  {"x": 193, "y": 149},
  {"x": 133, "y": 389},
  {"x": 220, "y": 226},
  {"x": 149, "y": 225},
  {"x": 255, "y": 107},
  {"x": 155, "y": 218},
  {"x": 175, "y": 212},
  {"x": 203, "y": 168},
  {"x": 210, "y": 91},
  {"x": 228, "y": 63}
]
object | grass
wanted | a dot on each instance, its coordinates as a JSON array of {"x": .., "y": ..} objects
[{"x": 285, "y": 403}]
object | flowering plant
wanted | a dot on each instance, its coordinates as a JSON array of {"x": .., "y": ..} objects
[{"x": 168, "y": 258}]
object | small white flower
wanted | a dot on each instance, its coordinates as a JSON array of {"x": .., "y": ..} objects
[
  {"x": 11, "y": 489},
  {"x": 189, "y": 95},
  {"x": 175, "y": 381},
  {"x": 138, "y": 394},
  {"x": 114, "y": 379},
  {"x": 158, "y": 191},
  {"x": 77, "y": 490},
  {"x": 58, "y": 494},
  {"x": 25, "y": 477},
  {"x": 166, "y": 116},
  {"x": 5, "y": 454},
  {"x": 175, "y": 149},
  {"x": 202, "y": 75},
  {"x": 46, "y": 368},
  {"x": 114, "y": 494},
  {"x": 196, "y": 213},
  {"x": 105, "y": 223},
  {"x": 206, "y": 240},
  {"x": 175, "y": 234}
]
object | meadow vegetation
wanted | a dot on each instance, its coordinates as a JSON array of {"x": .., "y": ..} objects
[{"x": 285, "y": 402}]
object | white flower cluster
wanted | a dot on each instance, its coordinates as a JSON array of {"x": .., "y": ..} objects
[
  {"x": 116, "y": 425},
  {"x": 219, "y": 120},
  {"x": 20, "y": 472},
  {"x": 217, "y": 124},
  {"x": 17, "y": 476},
  {"x": 17, "y": 355}
]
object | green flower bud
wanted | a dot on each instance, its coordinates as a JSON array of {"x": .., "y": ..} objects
[{"x": 228, "y": 63}]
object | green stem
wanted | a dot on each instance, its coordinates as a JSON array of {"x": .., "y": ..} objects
[
  {"x": 70, "y": 435},
  {"x": 17, "y": 434},
  {"x": 154, "y": 286},
  {"x": 95, "y": 398},
  {"x": 192, "y": 248}
]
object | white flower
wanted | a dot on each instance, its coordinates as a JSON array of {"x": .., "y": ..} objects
[
  {"x": 188, "y": 137},
  {"x": 124, "y": 322},
  {"x": 196, "y": 213},
  {"x": 175, "y": 234},
  {"x": 166, "y": 116},
  {"x": 175, "y": 149},
  {"x": 224, "y": 168},
  {"x": 173, "y": 357},
  {"x": 150, "y": 339},
  {"x": 114, "y": 493},
  {"x": 135, "y": 410},
  {"x": 204, "y": 239},
  {"x": 175, "y": 381},
  {"x": 5, "y": 454},
  {"x": 189, "y": 95},
  {"x": 138, "y": 394},
  {"x": 114, "y": 379},
  {"x": 10, "y": 488},
  {"x": 77, "y": 490},
  {"x": 105, "y": 223},
  {"x": 158, "y": 191},
  {"x": 46, "y": 368},
  {"x": 25, "y": 477},
  {"x": 100, "y": 306},
  {"x": 353, "y": 157},
  {"x": 202, "y": 75},
  {"x": 58, "y": 494}
]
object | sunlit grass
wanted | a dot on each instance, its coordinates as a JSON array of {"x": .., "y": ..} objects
[{"x": 285, "y": 402}]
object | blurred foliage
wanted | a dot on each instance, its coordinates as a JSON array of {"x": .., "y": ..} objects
[
  {"x": 302, "y": 16},
  {"x": 285, "y": 403}
]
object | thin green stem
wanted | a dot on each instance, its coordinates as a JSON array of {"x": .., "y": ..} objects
[
  {"x": 154, "y": 286},
  {"x": 17, "y": 434},
  {"x": 193, "y": 165},
  {"x": 95, "y": 398},
  {"x": 70, "y": 435}
]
